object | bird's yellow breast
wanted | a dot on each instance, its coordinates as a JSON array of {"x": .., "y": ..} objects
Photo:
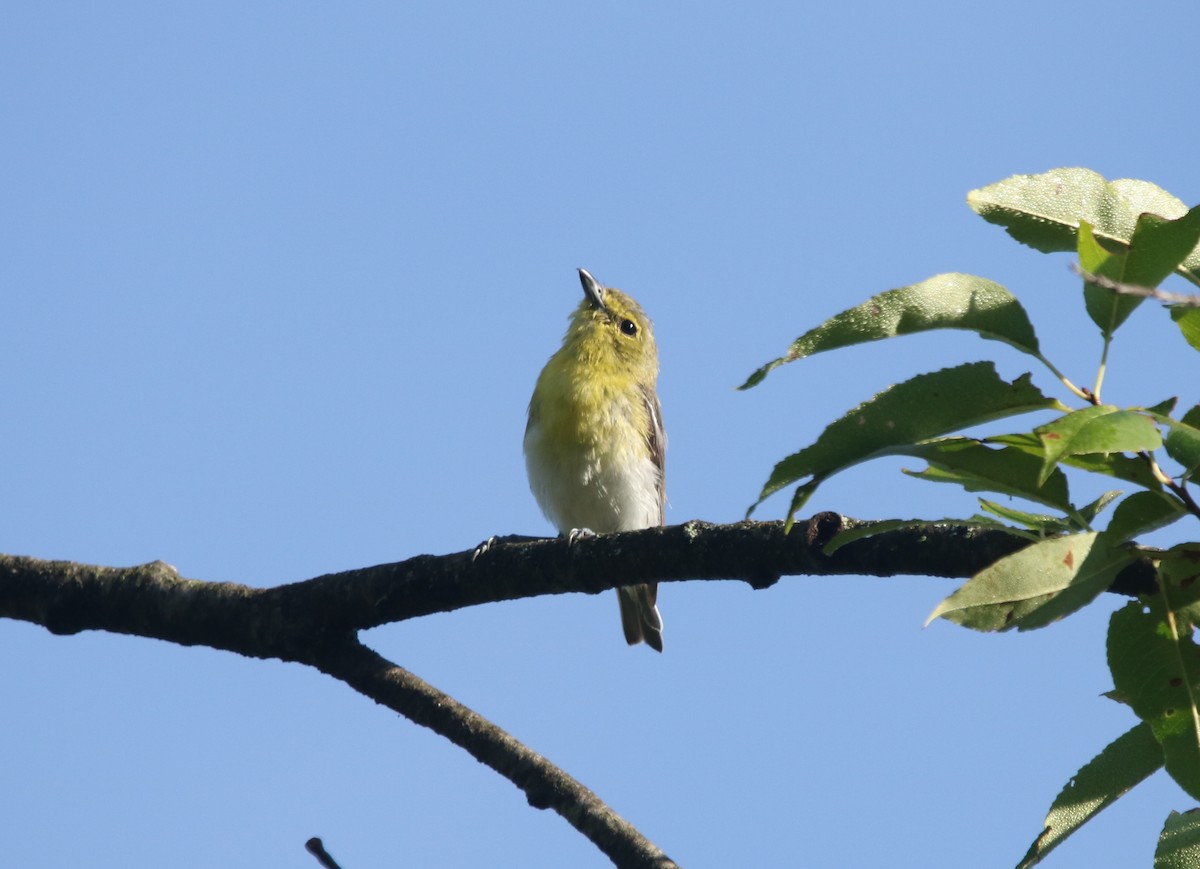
[{"x": 587, "y": 452}]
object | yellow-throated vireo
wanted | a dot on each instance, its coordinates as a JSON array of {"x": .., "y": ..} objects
[{"x": 594, "y": 444}]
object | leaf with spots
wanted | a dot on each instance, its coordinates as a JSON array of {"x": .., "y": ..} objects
[
  {"x": 1179, "y": 842},
  {"x": 1038, "y": 585},
  {"x": 1099, "y": 429},
  {"x": 949, "y": 301},
  {"x": 1044, "y": 211},
  {"x": 1125, "y": 762},
  {"x": 1155, "y": 663}
]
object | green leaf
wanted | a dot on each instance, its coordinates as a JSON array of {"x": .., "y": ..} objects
[
  {"x": 1179, "y": 842},
  {"x": 1107, "y": 308},
  {"x": 1127, "y": 761},
  {"x": 1130, "y": 470},
  {"x": 921, "y": 408},
  {"x": 1156, "y": 666},
  {"x": 1044, "y": 211},
  {"x": 1159, "y": 246},
  {"x": 1187, "y": 319},
  {"x": 1090, "y": 511},
  {"x": 1040, "y": 524},
  {"x": 1183, "y": 442},
  {"x": 1055, "y": 437},
  {"x": 1094, "y": 258},
  {"x": 1035, "y": 586},
  {"x": 1143, "y": 512},
  {"x": 950, "y": 301},
  {"x": 1121, "y": 467},
  {"x": 1100, "y": 429},
  {"x": 1164, "y": 407},
  {"x": 978, "y": 467},
  {"x": 870, "y": 529},
  {"x": 799, "y": 499},
  {"x": 982, "y": 520}
]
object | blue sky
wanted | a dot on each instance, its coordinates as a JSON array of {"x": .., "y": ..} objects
[{"x": 276, "y": 283}]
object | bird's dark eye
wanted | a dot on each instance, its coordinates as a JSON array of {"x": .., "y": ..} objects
[{"x": 629, "y": 327}]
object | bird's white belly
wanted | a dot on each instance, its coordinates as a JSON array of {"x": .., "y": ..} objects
[{"x": 576, "y": 487}]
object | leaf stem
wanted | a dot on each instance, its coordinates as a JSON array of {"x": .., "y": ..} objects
[
  {"x": 1179, "y": 490},
  {"x": 1080, "y": 393},
  {"x": 1100, "y": 371}
]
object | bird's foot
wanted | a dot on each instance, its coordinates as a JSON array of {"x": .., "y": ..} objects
[
  {"x": 483, "y": 547},
  {"x": 578, "y": 534}
]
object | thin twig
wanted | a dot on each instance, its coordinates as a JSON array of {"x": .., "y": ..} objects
[
  {"x": 1188, "y": 300},
  {"x": 546, "y": 786}
]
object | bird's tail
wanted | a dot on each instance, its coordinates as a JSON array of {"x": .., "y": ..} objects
[{"x": 639, "y": 615}]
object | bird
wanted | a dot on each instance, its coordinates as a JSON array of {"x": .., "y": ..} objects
[{"x": 594, "y": 440}]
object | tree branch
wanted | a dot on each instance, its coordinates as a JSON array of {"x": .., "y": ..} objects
[
  {"x": 152, "y": 600},
  {"x": 758, "y": 553},
  {"x": 545, "y": 785},
  {"x": 315, "y": 622}
]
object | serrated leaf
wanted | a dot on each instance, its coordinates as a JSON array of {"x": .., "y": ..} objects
[
  {"x": 1187, "y": 319},
  {"x": 1156, "y": 666},
  {"x": 1179, "y": 842},
  {"x": 949, "y": 301},
  {"x": 1107, "y": 308},
  {"x": 1044, "y": 211},
  {"x": 1127, "y": 761},
  {"x": 1035, "y": 586},
  {"x": 1100, "y": 429},
  {"x": 1143, "y": 512},
  {"x": 918, "y": 409}
]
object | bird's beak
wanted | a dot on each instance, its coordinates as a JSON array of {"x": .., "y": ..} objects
[{"x": 592, "y": 289}]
